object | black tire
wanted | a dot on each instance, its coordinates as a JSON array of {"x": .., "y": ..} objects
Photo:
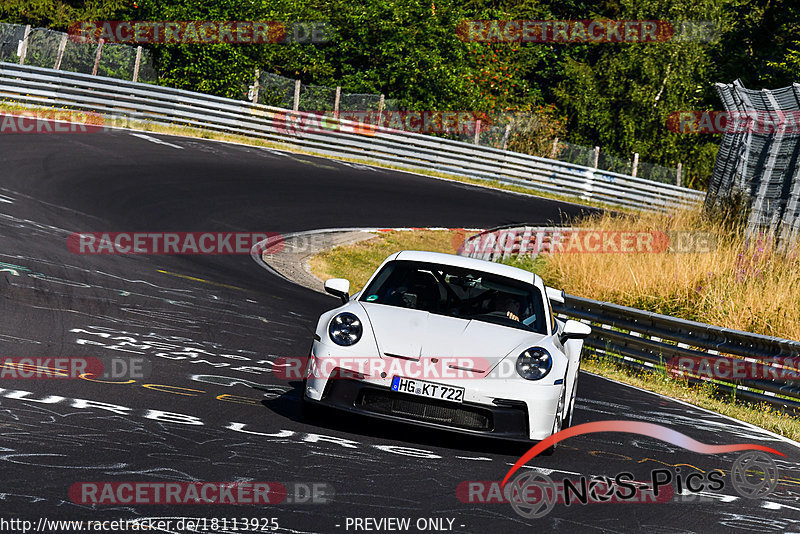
[
  {"x": 558, "y": 423},
  {"x": 308, "y": 409},
  {"x": 568, "y": 418}
]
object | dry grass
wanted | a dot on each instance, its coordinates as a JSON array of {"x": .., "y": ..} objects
[
  {"x": 738, "y": 284},
  {"x": 357, "y": 262}
]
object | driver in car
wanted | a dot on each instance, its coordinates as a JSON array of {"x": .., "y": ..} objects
[{"x": 508, "y": 305}]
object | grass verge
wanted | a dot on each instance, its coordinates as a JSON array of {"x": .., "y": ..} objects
[
  {"x": 357, "y": 262},
  {"x": 715, "y": 275}
]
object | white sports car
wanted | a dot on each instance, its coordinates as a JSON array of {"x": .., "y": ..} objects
[{"x": 448, "y": 342}]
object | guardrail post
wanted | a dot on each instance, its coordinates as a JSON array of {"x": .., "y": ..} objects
[
  {"x": 97, "y": 57},
  {"x": 296, "y": 106},
  {"x": 596, "y": 157},
  {"x": 505, "y": 136},
  {"x": 477, "y": 131},
  {"x": 555, "y": 148},
  {"x": 678, "y": 174},
  {"x": 137, "y": 63},
  {"x": 22, "y": 50},
  {"x": 635, "y": 164},
  {"x": 60, "y": 55},
  {"x": 336, "y": 101},
  {"x": 255, "y": 87}
]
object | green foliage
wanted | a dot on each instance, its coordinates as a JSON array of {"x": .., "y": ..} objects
[{"x": 58, "y": 14}]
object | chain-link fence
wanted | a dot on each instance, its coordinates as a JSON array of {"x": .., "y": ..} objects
[
  {"x": 520, "y": 138},
  {"x": 581, "y": 155},
  {"x": 520, "y": 134},
  {"x": 55, "y": 50},
  {"x": 43, "y": 46},
  {"x": 11, "y": 35},
  {"x": 279, "y": 91},
  {"x": 316, "y": 98},
  {"x": 275, "y": 90},
  {"x": 359, "y": 102},
  {"x": 658, "y": 173},
  {"x": 577, "y": 154}
]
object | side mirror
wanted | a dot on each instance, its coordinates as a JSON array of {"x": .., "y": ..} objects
[
  {"x": 574, "y": 330},
  {"x": 338, "y": 287}
]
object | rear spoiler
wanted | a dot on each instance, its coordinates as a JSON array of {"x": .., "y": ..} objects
[{"x": 555, "y": 295}]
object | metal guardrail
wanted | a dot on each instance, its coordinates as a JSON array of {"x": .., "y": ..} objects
[
  {"x": 137, "y": 102},
  {"x": 648, "y": 340},
  {"x": 758, "y": 158}
]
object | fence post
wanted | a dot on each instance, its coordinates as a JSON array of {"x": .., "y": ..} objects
[
  {"x": 296, "y": 106},
  {"x": 477, "y": 131},
  {"x": 505, "y": 136},
  {"x": 635, "y": 164},
  {"x": 380, "y": 111},
  {"x": 23, "y": 45},
  {"x": 61, "y": 46},
  {"x": 336, "y": 101},
  {"x": 97, "y": 57},
  {"x": 678, "y": 174},
  {"x": 137, "y": 63},
  {"x": 596, "y": 157},
  {"x": 555, "y": 148},
  {"x": 255, "y": 86}
]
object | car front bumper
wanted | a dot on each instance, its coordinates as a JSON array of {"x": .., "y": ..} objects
[
  {"x": 504, "y": 418},
  {"x": 494, "y": 406},
  {"x": 507, "y": 421}
]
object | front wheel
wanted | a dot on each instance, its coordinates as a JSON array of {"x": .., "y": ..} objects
[
  {"x": 308, "y": 409},
  {"x": 571, "y": 411},
  {"x": 557, "y": 422}
]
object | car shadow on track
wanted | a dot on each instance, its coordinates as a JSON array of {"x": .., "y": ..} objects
[{"x": 289, "y": 405}]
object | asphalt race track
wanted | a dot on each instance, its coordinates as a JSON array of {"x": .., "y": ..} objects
[{"x": 211, "y": 327}]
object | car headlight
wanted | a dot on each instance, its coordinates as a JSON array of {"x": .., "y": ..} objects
[
  {"x": 345, "y": 329},
  {"x": 534, "y": 363}
]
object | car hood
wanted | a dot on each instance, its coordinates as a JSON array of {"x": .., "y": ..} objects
[{"x": 420, "y": 335}]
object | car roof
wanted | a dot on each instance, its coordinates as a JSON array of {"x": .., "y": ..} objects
[{"x": 469, "y": 263}]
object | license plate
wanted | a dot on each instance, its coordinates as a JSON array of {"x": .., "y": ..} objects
[{"x": 427, "y": 389}]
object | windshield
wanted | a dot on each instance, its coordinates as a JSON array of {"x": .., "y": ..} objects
[{"x": 458, "y": 292}]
